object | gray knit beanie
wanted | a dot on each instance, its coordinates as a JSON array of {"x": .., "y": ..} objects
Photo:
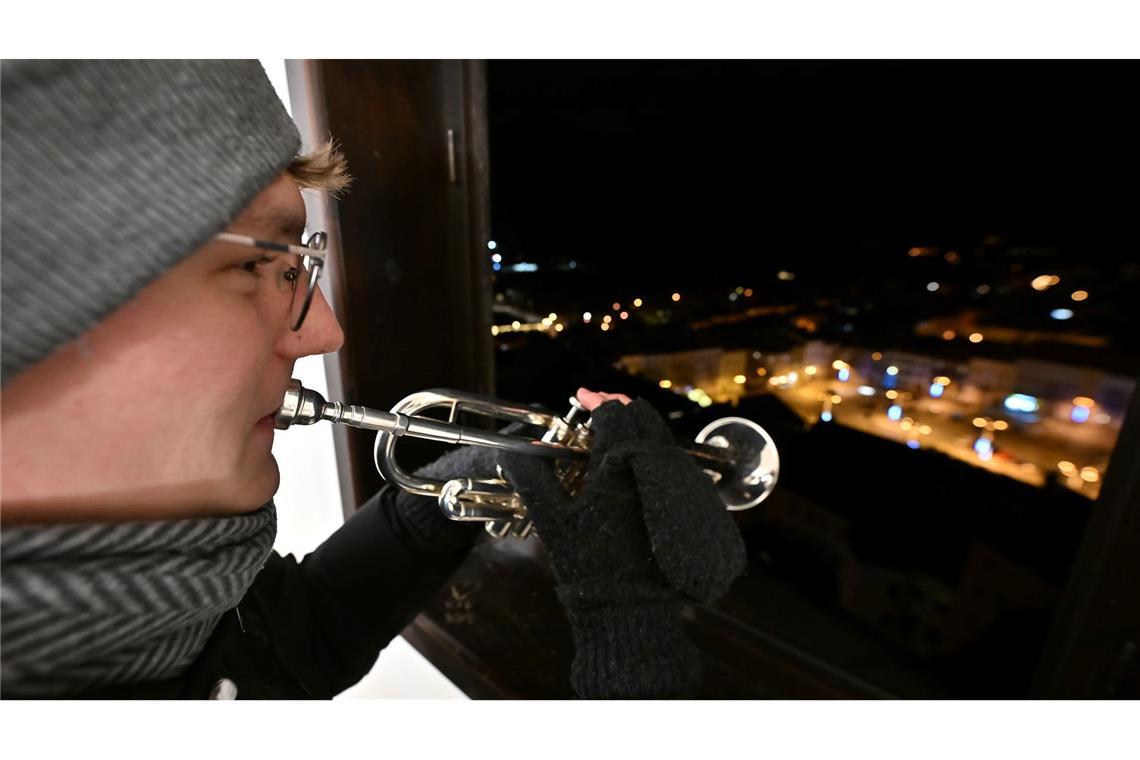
[{"x": 111, "y": 172}]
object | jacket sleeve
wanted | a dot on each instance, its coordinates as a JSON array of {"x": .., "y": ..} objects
[{"x": 329, "y": 616}]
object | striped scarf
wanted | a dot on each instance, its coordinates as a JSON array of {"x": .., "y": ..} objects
[{"x": 85, "y": 605}]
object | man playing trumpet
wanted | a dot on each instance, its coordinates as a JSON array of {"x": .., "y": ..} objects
[{"x": 156, "y": 294}]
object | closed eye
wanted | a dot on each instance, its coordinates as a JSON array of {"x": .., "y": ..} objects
[{"x": 251, "y": 265}]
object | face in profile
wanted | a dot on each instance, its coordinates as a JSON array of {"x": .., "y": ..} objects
[{"x": 164, "y": 408}]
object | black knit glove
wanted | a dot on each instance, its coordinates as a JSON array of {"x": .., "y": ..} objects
[
  {"x": 428, "y": 527},
  {"x": 645, "y": 530}
]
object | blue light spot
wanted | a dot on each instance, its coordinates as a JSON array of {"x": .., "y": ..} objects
[
  {"x": 1020, "y": 402},
  {"x": 1079, "y": 414},
  {"x": 894, "y": 412},
  {"x": 496, "y": 266},
  {"x": 984, "y": 447},
  {"x": 890, "y": 381},
  {"x": 492, "y": 245},
  {"x": 844, "y": 375},
  {"x": 936, "y": 390},
  {"x": 825, "y": 417},
  {"x": 912, "y": 444},
  {"x": 1061, "y": 314}
]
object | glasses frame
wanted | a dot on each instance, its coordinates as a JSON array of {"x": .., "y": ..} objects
[{"x": 313, "y": 253}]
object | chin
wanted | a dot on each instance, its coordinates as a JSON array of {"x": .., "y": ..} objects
[{"x": 256, "y": 485}]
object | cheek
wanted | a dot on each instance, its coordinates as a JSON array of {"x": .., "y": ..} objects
[{"x": 186, "y": 377}]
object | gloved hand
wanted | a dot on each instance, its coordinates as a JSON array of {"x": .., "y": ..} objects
[
  {"x": 645, "y": 530},
  {"x": 431, "y": 529}
]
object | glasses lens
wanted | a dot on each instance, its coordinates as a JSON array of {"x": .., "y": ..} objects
[{"x": 305, "y": 285}]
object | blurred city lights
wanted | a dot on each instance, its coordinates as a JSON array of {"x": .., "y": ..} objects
[
  {"x": 912, "y": 444},
  {"x": 976, "y": 337},
  {"x": 892, "y": 394},
  {"x": 825, "y": 416},
  {"x": 892, "y": 370},
  {"x": 740, "y": 379},
  {"x": 1061, "y": 314},
  {"x": 894, "y": 412},
  {"x": 949, "y": 335},
  {"x": 492, "y": 245},
  {"x": 617, "y": 306},
  {"x": 865, "y": 390},
  {"x": 1067, "y": 467},
  {"x": 1080, "y": 414},
  {"x": 1090, "y": 474},
  {"x": 983, "y": 289},
  {"x": 666, "y": 384},
  {"x": 980, "y": 422},
  {"x": 1044, "y": 282},
  {"x": 676, "y": 297},
  {"x": 637, "y": 302},
  {"x": 587, "y": 316},
  {"x": 496, "y": 266},
  {"x": 936, "y": 390},
  {"x": 1020, "y": 402},
  {"x": 932, "y": 286},
  {"x": 876, "y": 356},
  {"x": 810, "y": 370},
  {"x": 497, "y": 257},
  {"x": 624, "y": 315},
  {"x": 1001, "y": 425},
  {"x": 844, "y": 375},
  {"x": 1079, "y": 295}
]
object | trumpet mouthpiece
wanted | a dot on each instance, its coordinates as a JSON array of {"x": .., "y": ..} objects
[{"x": 300, "y": 406}]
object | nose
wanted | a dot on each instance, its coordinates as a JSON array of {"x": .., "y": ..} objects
[{"x": 320, "y": 333}]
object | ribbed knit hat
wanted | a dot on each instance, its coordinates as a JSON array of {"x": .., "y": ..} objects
[{"x": 111, "y": 172}]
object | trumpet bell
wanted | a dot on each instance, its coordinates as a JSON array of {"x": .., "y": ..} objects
[{"x": 755, "y": 461}]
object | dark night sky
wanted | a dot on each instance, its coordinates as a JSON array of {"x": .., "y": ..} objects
[{"x": 753, "y": 165}]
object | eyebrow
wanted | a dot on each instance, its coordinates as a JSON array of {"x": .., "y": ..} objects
[{"x": 283, "y": 220}]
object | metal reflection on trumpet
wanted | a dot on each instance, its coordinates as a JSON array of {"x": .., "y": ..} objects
[{"x": 737, "y": 454}]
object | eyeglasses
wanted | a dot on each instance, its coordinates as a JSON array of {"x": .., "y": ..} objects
[{"x": 308, "y": 261}]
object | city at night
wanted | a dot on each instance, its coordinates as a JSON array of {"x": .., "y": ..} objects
[{"x": 919, "y": 277}]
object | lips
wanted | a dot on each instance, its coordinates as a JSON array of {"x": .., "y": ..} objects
[{"x": 272, "y": 413}]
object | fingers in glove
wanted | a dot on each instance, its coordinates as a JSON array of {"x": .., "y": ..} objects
[
  {"x": 695, "y": 541},
  {"x": 650, "y": 426},
  {"x": 534, "y": 479}
]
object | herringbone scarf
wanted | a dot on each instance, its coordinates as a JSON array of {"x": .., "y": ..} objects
[{"x": 84, "y": 605}]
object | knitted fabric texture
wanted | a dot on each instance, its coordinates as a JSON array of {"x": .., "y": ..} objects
[
  {"x": 114, "y": 171},
  {"x": 621, "y": 556},
  {"x": 84, "y": 605}
]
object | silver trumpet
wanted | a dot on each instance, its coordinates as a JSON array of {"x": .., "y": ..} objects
[{"x": 737, "y": 454}]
